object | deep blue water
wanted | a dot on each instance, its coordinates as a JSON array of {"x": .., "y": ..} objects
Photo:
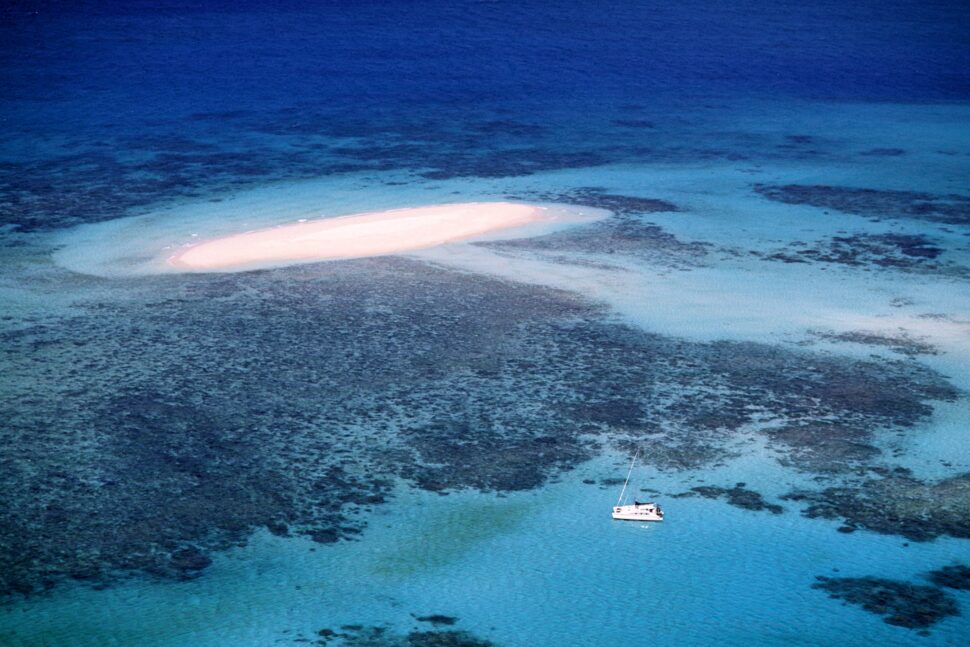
[
  {"x": 135, "y": 103},
  {"x": 97, "y": 68},
  {"x": 97, "y": 63},
  {"x": 190, "y": 459}
]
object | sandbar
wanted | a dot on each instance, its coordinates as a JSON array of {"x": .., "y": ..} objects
[{"x": 357, "y": 236}]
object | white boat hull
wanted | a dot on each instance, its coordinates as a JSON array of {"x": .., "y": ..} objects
[{"x": 638, "y": 512}]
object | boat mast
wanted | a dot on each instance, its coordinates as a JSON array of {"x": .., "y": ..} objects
[{"x": 632, "y": 463}]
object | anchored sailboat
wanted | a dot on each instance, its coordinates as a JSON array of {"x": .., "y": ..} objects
[{"x": 636, "y": 511}]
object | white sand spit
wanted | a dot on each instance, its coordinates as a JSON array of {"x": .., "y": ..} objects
[{"x": 368, "y": 234}]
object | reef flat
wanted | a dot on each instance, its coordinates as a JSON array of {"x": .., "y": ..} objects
[{"x": 148, "y": 430}]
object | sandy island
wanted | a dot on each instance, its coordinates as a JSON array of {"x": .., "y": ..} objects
[{"x": 367, "y": 234}]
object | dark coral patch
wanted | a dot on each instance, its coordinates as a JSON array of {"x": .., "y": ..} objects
[
  {"x": 956, "y": 576},
  {"x": 911, "y": 253},
  {"x": 913, "y": 606},
  {"x": 738, "y": 496},
  {"x": 189, "y": 561},
  {"x": 378, "y": 636},
  {"x": 901, "y": 342},
  {"x": 626, "y": 233},
  {"x": 896, "y": 504},
  {"x": 437, "y": 619},
  {"x": 823, "y": 446},
  {"x": 948, "y": 209},
  {"x": 600, "y": 198},
  {"x": 515, "y": 163},
  {"x": 445, "y": 639},
  {"x": 622, "y": 236}
]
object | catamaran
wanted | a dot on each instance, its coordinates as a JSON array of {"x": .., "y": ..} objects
[{"x": 636, "y": 511}]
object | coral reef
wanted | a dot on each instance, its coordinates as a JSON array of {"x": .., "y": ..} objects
[
  {"x": 955, "y": 576},
  {"x": 738, "y": 496},
  {"x": 600, "y": 198},
  {"x": 913, "y": 606},
  {"x": 379, "y": 636},
  {"x": 900, "y": 342},
  {"x": 896, "y": 504},
  {"x": 874, "y": 203},
  {"x": 147, "y": 430},
  {"x": 897, "y": 251}
]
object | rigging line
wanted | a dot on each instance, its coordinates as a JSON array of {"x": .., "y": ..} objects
[{"x": 632, "y": 463}]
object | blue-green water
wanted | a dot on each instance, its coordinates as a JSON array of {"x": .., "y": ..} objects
[{"x": 415, "y": 450}]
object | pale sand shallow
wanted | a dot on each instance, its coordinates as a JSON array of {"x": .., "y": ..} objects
[{"x": 356, "y": 236}]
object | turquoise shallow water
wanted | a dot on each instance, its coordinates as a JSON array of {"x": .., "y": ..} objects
[
  {"x": 710, "y": 574},
  {"x": 775, "y": 294}
]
